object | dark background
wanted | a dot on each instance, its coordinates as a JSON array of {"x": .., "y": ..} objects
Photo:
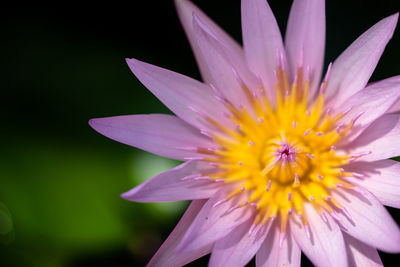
[{"x": 63, "y": 65}]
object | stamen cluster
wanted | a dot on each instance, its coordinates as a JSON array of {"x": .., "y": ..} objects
[{"x": 282, "y": 155}]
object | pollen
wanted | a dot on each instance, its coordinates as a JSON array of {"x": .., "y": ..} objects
[{"x": 282, "y": 154}]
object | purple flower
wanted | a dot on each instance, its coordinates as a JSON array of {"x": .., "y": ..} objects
[{"x": 275, "y": 162}]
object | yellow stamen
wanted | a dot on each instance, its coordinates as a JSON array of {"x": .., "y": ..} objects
[{"x": 284, "y": 154}]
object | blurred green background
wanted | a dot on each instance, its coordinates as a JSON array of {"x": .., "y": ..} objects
[{"x": 62, "y": 65}]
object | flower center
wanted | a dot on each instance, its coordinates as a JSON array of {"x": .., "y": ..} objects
[
  {"x": 283, "y": 160},
  {"x": 281, "y": 155},
  {"x": 286, "y": 153}
]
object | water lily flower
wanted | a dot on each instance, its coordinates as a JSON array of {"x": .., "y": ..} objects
[{"x": 278, "y": 159}]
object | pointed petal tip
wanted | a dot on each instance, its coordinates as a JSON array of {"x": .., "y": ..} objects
[
  {"x": 360, "y": 57},
  {"x": 98, "y": 124},
  {"x": 131, "y": 195},
  {"x": 180, "y": 2},
  {"x": 135, "y": 64},
  {"x": 394, "y": 248},
  {"x": 126, "y": 195},
  {"x": 395, "y": 17},
  {"x": 91, "y": 122},
  {"x": 200, "y": 26},
  {"x": 95, "y": 123},
  {"x": 185, "y": 8},
  {"x": 132, "y": 62}
]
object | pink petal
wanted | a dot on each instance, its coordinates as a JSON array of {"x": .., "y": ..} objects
[
  {"x": 370, "y": 103},
  {"x": 370, "y": 222},
  {"x": 182, "y": 95},
  {"x": 325, "y": 246},
  {"x": 185, "y": 11},
  {"x": 172, "y": 185},
  {"x": 305, "y": 38},
  {"x": 361, "y": 254},
  {"x": 395, "y": 107},
  {"x": 213, "y": 222},
  {"x": 272, "y": 253},
  {"x": 161, "y": 134},
  {"x": 166, "y": 255},
  {"x": 222, "y": 63},
  {"x": 381, "y": 138},
  {"x": 381, "y": 178},
  {"x": 262, "y": 42},
  {"x": 238, "y": 247},
  {"x": 352, "y": 70}
]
